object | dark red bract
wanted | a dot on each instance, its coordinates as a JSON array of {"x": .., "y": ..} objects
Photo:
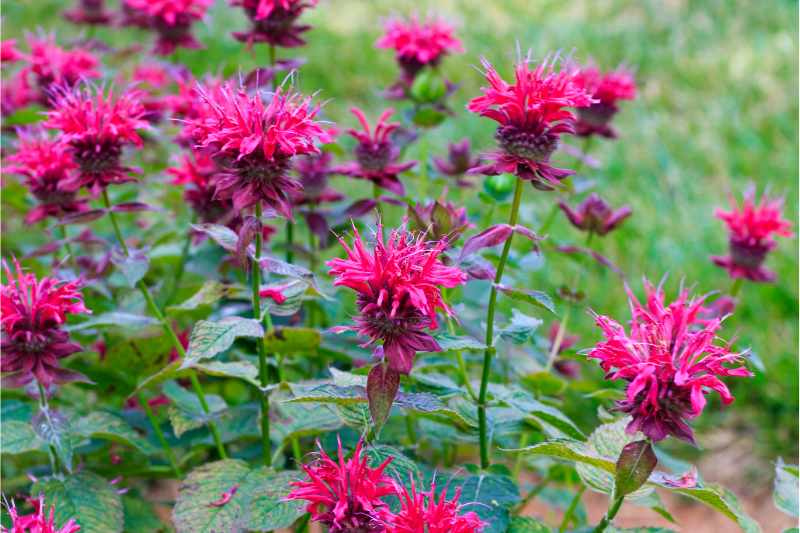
[
  {"x": 595, "y": 215},
  {"x": 274, "y": 22}
]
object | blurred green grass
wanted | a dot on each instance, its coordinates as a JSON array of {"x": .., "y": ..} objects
[{"x": 717, "y": 109}]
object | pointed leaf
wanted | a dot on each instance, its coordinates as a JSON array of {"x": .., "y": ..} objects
[
  {"x": 210, "y": 338},
  {"x": 489, "y": 237},
  {"x": 785, "y": 493},
  {"x": 133, "y": 266},
  {"x": 634, "y": 466},
  {"x": 382, "y": 386},
  {"x": 537, "y": 298}
]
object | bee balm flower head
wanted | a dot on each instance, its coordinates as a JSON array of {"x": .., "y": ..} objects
[
  {"x": 595, "y": 215},
  {"x": 172, "y": 20},
  {"x": 96, "y": 127},
  {"x": 32, "y": 339},
  {"x": 531, "y": 117},
  {"x": 399, "y": 291},
  {"x": 38, "y": 522},
  {"x": 751, "y": 227},
  {"x": 670, "y": 358},
  {"x": 345, "y": 495},
  {"x": 421, "y": 512},
  {"x": 608, "y": 88},
  {"x": 274, "y": 21},
  {"x": 254, "y": 140}
]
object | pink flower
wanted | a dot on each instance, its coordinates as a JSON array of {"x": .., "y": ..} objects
[
  {"x": 418, "y": 43},
  {"x": 421, "y": 513},
  {"x": 376, "y": 153},
  {"x": 46, "y": 165},
  {"x": 9, "y": 52},
  {"x": 17, "y": 93},
  {"x": 172, "y": 20},
  {"x": 97, "y": 127},
  {"x": 197, "y": 172},
  {"x": 314, "y": 171},
  {"x": 56, "y": 68},
  {"x": 595, "y": 215},
  {"x": 398, "y": 287},
  {"x": 254, "y": 142},
  {"x": 92, "y": 12},
  {"x": 274, "y": 21},
  {"x": 670, "y": 360},
  {"x": 32, "y": 339},
  {"x": 38, "y": 522},
  {"x": 531, "y": 117},
  {"x": 751, "y": 228},
  {"x": 607, "y": 88},
  {"x": 459, "y": 161},
  {"x": 345, "y": 495}
]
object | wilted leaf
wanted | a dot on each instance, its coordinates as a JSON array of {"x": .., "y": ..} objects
[{"x": 222, "y": 235}]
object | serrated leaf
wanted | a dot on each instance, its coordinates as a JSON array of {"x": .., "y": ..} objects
[
  {"x": 292, "y": 340},
  {"x": 209, "y": 294},
  {"x": 133, "y": 266},
  {"x": 526, "y": 524},
  {"x": 458, "y": 343},
  {"x": 17, "y": 437},
  {"x": 537, "y": 298},
  {"x": 722, "y": 500},
  {"x": 521, "y": 329},
  {"x": 114, "y": 319},
  {"x": 186, "y": 412},
  {"x": 53, "y": 428},
  {"x": 491, "y": 497},
  {"x": 104, "y": 425},
  {"x": 244, "y": 370},
  {"x": 301, "y": 420},
  {"x": 785, "y": 492},
  {"x": 210, "y": 338},
  {"x": 257, "y": 504},
  {"x": 85, "y": 497}
]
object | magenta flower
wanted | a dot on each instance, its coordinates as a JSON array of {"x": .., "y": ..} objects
[
  {"x": 608, "y": 89},
  {"x": 32, "y": 339},
  {"x": 398, "y": 287},
  {"x": 314, "y": 171},
  {"x": 459, "y": 161},
  {"x": 418, "y": 43},
  {"x": 345, "y": 495},
  {"x": 17, "y": 93},
  {"x": 9, "y": 52},
  {"x": 37, "y": 522},
  {"x": 91, "y": 12},
  {"x": 531, "y": 117},
  {"x": 172, "y": 20},
  {"x": 46, "y": 165},
  {"x": 439, "y": 220},
  {"x": 197, "y": 173},
  {"x": 254, "y": 141},
  {"x": 97, "y": 127},
  {"x": 54, "y": 68},
  {"x": 670, "y": 359},
  {"x": 274, "y": 22},
  {"x": 376, "y": 153},
  {"x": 421, "y": 513},
  {"x": 751, "y": 227},
  {"x": 595, "y": 215}
]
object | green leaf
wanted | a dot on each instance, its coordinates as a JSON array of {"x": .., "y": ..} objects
[
  {"x": 292, "y": 340},
  {"x": 537, "y": 298},
  {"x": 12, "y": 409},
  {"x": 85, "y": 497},
  {"x": 186, "y": 412},
  {"x": 115, "y": 319},
  {"x": 222, "y": 235},
  {"x": 722, "y": 500},
  {"x": 526, "y": 524},
  {"x": 301, "y": 420},
  {"x": 133, "y": 265},
  {"x": 53, "y": 427},
  {"x": 521, "y": 329},
  {"x": 635, "y": 464},
  {"x": 327, "y": 393},
  {"x": 244, "y": 370},
  {"x": 25, "y": 116},
  {"x": 210, "y": 338},
  {"x": 490, "y": 496},
  {"x": 256, "y": 505},
  {"x": 785, "y": 493},
  {"x": 17, "y": 437},
  {"x": 209, "y": 294},
  {"x": 104, "y": 425},
  {"x": 569, "y": 450},
  {"x": 402, "y": 469},
  {"x": 458, "y": 343},
  {"x": 612, "y": 529},
  {"x": 553, "y": 421},
  {"x": 140, "y": 516}
]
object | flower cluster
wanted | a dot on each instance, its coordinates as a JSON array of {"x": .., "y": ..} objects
[
  {"x": 48, "y": 169},
  {"x": 751, "y": 227},
  {"x": 254, "y": 141},
  {"x": 37, "y": 522},
  {"x": 531, "y": 117},
  {"x": 97, "y": 127},
  {"x": 33, "y": 312},
  {"x": 398, "y": 287},
  {"x": 595, "y": 215},
  {"x": 274, "y": 22},
  {"x": 671, "y": 359},
  {"x": 171, "y": 19},
  {"x": 376, "y": 153},
  {"x": 347, "y": 497},
  {"x": 607, "y": 88}
]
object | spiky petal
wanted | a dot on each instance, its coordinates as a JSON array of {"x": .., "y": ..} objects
[
  {"x": 595, "y": 215},
  {"x": 608, "y": 88},
  {"x": 37, "y": 522},
  {"x": 420, "y": 512},
  {"x": 670, "y": 358}
]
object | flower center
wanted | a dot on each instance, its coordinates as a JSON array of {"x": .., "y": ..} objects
[
  {"x": 373, "y": 156},
  {"x": 536, "y": 146},
  {"x": 749, "y": 256}
]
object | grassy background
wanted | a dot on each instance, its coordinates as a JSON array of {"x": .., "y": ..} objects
[{"x": 717, "y": 109}]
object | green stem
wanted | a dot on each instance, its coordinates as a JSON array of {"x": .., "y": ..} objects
[
  {"x": 376, "y": 194},
  {"x": 571, "y": 509},
  {"x": 45, "y": 408},
  {"x": 612, "y": 512},
  {"x": 736, "y": 287},
  {"x": 263, "y": 369},
  {"x": 289, "y": 241},
  {"x": 176, "y": 281},
  {"x": 62, "y": 230},
  {"x": 165, "y": 325},
  {"x": 298, "y": 455},
  {"x": 410, "y": 430},
  {"x": 523, "y": 441},
  {"x": 490, "y": 350},
  {"x": 160, "y": 435},
  {"x": 272, "y": 55}
]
